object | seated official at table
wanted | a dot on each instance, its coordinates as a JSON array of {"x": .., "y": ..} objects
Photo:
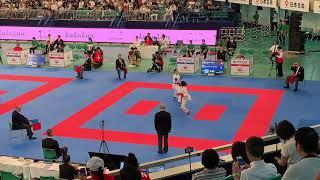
[
  {"x": 17, "y": 48},
  {"x": 97, "y": 58},
  {"x": 58, "y": 42},
  {"x": 164, "y": 43},
  {"x": 60, "y": 49},
  {"x": 221, "y": 54},
  {"x": 136, "y": 42},
  {"x": 190, "y": 48},
  {"x": 50, "y": 143},
  {"x": 90, "y": 46},
  {"x": 298, "y": 75},
  {"x": 121, "y": 66},
  {"x": 35, "y": 45},
  {"x": 49, "y": 44},
  {"x": 231, "y": 46},
  {"x": 21, "y": 122},
  {"x": 66, "y": 170},
  {"x": 156, "y": 42},
  {"x": 204, "y": 49},
  {"x": 148, "y": 39}
]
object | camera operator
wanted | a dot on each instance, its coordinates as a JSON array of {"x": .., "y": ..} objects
[{"x": 157, "y": 63}]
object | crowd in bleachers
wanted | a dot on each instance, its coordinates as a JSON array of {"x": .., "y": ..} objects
[{"x": 121, "y": 5}]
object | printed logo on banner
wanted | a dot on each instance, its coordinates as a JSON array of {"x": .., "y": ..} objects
[
  {"x": 296, "y": 5},
  {"x": 265, "y": 3}
]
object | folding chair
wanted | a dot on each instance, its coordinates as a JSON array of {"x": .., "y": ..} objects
[{"x": 49, "y": 154}]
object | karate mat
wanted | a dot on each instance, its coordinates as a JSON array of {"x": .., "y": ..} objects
[{"x": 223, "y": 110}]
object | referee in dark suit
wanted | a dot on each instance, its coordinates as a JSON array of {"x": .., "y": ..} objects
[{"x": 162, "y": 123}]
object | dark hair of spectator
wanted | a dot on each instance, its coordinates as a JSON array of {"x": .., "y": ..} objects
[
  {"x": 239, "y": 149},
  {"x": 210, "y": 159},
  {"x": 66, "y": 159},
  {"x": 308, "y": 139},
  {"x": 285, "y": 130},
  {"x": 255, "y": 146}
]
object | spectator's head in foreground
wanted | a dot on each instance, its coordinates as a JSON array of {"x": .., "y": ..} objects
[
  {"x": 210, "y": 159},
  {"x": 254, "y": 148},
  {"x": 131, "y": 160},
  {"x": 285, "y": 130},
  {"x": 239, "y": 149},
  {"x": 66, "y": 159},
  {"x": 96, "y": 166},
  {"x": 307, "y": 140}
]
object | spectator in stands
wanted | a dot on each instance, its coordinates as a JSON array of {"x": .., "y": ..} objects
[
  {"x": 96, "y": 167},
  {"x": 148, "y": 39},
  {"x": 289, "y": 155},
  {"x": 121, "y": 66},
  {"x": 239, "y": 149},
  {"x": 60, "y": 49},
  {"x": 17, "y": 48},
  {"x": 35, "y": 45},
  {"x": 210, "y": 161},
  {"x": 231, "y": 46},
  {"x": 21, "y": 122},
  {"x": 97, "y": 58},
  {"x": 66, "y": 170},
  {"x": 190, "y": 48},
  {"x": 307, "y": 145},
  {"x": 162, "y": 123},
  {"x": 50, "y": 143},
  {"x": 130, "y": 169},
  {"x": 58, "y": 42},
  {"x": 222, "y": 54},
  {"x": 258, "y": 168},
  {"x": 204, "y": 49}
]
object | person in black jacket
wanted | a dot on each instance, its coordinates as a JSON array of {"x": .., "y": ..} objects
[
  {"x": 66, "y": 170},
  {"x": 162, "y": 123},
  {"x": 121, "y": 66},
  {"x": 21, "y": 122},
  {"x": 58, "y": 42},
  {"x": 231, "y": 46},
  {"x": 50, "y": 143},
  {"x": 130, "y": 169},
  {"x": 298, "y": 75},
  {"x": 221, "y": 54}
]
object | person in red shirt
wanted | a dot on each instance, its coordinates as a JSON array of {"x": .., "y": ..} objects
[
  {"x": 97, "y": 58},
  {"x": 148, "y": 40},
  {"x": 17, "y": 48}
]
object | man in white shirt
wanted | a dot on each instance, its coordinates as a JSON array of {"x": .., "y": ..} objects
[
  {"x": 273, "y": 51},
  {"x": 258, "y": 170},
  {"x": 289, "y": 154},
  {"x": 307, "y": 146},
  {"x": 136, "y": 42}
]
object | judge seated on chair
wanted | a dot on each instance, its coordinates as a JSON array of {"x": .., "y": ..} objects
[
  {"x": 298, "y": 75},
  {"x": 21, "y": 122},
  {"x": 50, "y": 143}
]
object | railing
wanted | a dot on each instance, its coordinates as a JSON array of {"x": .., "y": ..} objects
[
  {"x": 168, "y": 172},
  {"x": 108, "y": 15}
]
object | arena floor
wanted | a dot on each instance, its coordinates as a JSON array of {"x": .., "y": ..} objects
[{"x": 239, "y": 108}]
